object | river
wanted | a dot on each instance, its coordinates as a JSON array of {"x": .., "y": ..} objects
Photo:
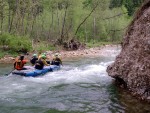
[{"x": 80, "y": 86}]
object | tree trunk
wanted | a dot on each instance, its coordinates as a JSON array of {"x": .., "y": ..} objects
[
  {"x": 85, "y": 31},
  {"x": 94, "y": 30},
  {"x": 9, "y": 20},
  {"x": 22, "y": 25},
  {"x": 51, "y": 25},
  {"x": 32, "y": 26},
  {"x": 58, "y": 21},
  {"x": 22, "y": 20},
  {"x": 42, "y": 27},
  {"x": 2, "y": 15},
  {"x": 27, "y": 25},
  {"x": 63, "y": 25},
  {"x": 17, "y": 16}
]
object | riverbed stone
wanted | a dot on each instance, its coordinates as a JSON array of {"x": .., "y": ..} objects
[{"x": 132, "y": 65}]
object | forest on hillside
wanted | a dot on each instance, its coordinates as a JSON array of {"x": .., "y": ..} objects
[{"x": 23, "y": 23}]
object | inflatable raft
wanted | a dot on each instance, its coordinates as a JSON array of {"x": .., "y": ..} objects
[{"x": 32, "y": 72}]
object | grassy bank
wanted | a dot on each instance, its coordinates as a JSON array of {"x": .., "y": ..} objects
[
  {"x": 13, "y": 45},
  {"x": 44, "y": 46}
]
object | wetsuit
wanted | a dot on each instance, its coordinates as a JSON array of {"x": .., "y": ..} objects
[
  {"x": 40, "y": 63},
  {"x": 33, "y": 60}
]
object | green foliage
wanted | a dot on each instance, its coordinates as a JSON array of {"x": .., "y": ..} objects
[
  {"x": 115, "y": 27},
  {"x": 98, "y": 44},
  {"x": 20, "y": 44},
  {"x": 4, "y": 40},
  {"x": 110, "y": 25},
  {"x": 131, "y": 5},
  {"x": 87, "y": 3},
  {"x": 49, "y": 20},
  {"x": 3, "y": 53},
  {"x": 14, "y": 43}
]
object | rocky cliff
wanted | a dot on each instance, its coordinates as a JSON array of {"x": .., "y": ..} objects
[{"x": 131, "y": 68}]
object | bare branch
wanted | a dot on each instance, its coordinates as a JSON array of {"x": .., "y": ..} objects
[
  {"x": 86, "y": 18},
  {"x": 115, "y": 16}
]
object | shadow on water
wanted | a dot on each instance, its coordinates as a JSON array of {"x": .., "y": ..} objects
[
  {"x": 123, "y": 102},
  {"x": 5, "y": 69}
]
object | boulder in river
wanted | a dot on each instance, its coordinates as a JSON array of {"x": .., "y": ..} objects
[{"x": 131, "y": 68}]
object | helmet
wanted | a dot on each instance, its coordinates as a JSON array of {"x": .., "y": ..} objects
[
  {"x": 21, "y": 57},
  {"x": 56, "y": 54},
  {"x": 43, "y": 56},
  {"x": 34, "y": 55},
  {"x": 44, "y": 53}
]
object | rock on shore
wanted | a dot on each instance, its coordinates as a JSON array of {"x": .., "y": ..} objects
[{"x": 131, "y": 68}]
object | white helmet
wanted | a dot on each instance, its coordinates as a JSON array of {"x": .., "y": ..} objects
[{"x": 56, "y": 54}]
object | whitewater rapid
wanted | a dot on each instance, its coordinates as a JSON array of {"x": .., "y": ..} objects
[{"x": 79, "y": 82}]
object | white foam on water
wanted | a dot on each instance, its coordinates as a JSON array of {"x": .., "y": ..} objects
[
  {"x": 108, "y": 51},
  {"x": 87, "y": 74},
  {"x": 68, "y": 74},
  {"x": 19, "y": 90},
  {"x": 28, "y": 86}
]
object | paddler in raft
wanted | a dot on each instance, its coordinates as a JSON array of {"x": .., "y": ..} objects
[
  {"x": 33, "y": 59},
  {"x": 41, "y": 62},
  {"x": 56, "y": 60},
  {"x": 20, "y": 62},
  {"x": 40, "y": 55}
]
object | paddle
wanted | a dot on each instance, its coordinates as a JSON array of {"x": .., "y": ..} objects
[{"x": 9, "y": 72}]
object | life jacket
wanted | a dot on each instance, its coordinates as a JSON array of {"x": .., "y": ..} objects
[
  {"x": 39, "y": 64},
  {"x": 19, "y": 64},
  {"x": 39, "y": 56},
  {"x": 33, "y": 60},
  {"x": 56, "y": 61}
]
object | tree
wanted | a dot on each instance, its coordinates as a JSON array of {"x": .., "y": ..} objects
[
  {"x": 131, "y": 5},
  {"x": 11, "y": 13}
]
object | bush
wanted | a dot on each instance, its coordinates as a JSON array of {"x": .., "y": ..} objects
[
  {"x": 15, "y": 43},
  {"x": 4, "y": 40}
]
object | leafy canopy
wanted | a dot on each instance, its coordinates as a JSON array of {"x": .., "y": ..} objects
[{"x": 131, "y": 5}]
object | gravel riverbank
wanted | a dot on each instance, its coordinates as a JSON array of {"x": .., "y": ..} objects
[{"x": 88, "y": 52}]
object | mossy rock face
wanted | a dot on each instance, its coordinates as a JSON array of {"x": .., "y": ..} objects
[{"x": 132, "y": 65}]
